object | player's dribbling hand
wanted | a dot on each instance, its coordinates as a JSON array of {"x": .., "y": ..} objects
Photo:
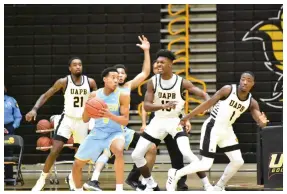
[
  {"x": 144, "y": 43},
  {"x": 142, "y": 128},
  {"x": 6, "y": 131},
  {"x": 30, "y": 115},
  {"x": 263, "y": 118}
]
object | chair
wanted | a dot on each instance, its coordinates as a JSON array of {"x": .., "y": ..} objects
[{"x": 14, "y": 141}]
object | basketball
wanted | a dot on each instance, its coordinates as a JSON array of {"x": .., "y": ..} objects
[
  {"x": 93, "y": 105},
  {"x": 44, "y": 125},
  {"x": 44, "y": 142}
]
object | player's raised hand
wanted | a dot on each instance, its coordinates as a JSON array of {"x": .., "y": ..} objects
[
  {"x": 31, "y": 115},
  {"x": 263, "y": 118},
  {"x": 144, "y": 43}
]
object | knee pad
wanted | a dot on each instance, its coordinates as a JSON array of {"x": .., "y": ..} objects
[
  {"x": 139, "y": 159},
  {"x": 238, "y": 162},
  {"x": 206, "y": 163}
]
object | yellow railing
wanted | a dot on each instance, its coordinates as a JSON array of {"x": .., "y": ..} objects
[{"x": 185, "y": 51}]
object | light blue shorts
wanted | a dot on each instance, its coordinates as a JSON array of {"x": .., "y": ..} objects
[
  {"x": 95, "y": 143},
  {"x": 129, "y": 135}
]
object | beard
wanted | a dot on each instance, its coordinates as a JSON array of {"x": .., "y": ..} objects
[
  {"x": 121, "y": 84},
  {"x": 78, "y": 75}
]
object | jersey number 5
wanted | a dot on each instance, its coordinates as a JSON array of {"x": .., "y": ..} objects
[
  {"x": 78, "y": 101},
  {"x": 168, "y": 109}
]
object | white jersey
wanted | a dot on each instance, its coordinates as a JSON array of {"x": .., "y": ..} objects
[
  {"x": 226, "y": 111},
  {"x": 76, "y": 97},
  {"x": 166, "y": 94}
]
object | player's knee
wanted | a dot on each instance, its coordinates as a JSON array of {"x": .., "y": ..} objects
[
  {"x": 206, "y": 163},
  {"x": 238, "y": 162},
  {"x": 118, "y": 151},
  {"x": 78, "y": 163},
  {"x": 55, "y": 151},
  {"x": 139, "y": 159},
  {"x": 152, "y": 150}
]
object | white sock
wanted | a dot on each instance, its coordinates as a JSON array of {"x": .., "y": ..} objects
[
  {"x": 205, "y": 181},
  {"x": 119, "y": 187},
  {"x": 70, "y": 176},
  {"x": 143, "y": 181},
  {"x": 80, "y": 189},
  {"x": 43, "y": 175},
  {"x": 95, "y": 176}
]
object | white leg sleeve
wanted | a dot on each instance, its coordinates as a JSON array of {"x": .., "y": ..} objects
[{"x": 140, "y": 151}]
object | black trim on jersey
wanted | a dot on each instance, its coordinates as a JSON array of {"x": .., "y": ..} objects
[
  {"x": 60, "y": 138},
  {"x": 155, "y": 86},
  {"x": 171, "y": 86},
  {"x": 182, "y": 90},
  {"x": 206, "y": 139},
  {"x": 66, "y": 84},
  {"x": 150, "y": 138},
  {"x": 207, "y": 154},
  {"x": 224, "y": 98},
  {"x": 60, "y": 121},
  {"x": 249, "y": 103},
  {"x": 230, "y": 148},
  {"x": 89, "y": 84},
  {"x": 238, "y": 96},
  {"x": 180, "y": 134},
  {"x": 82, "y": 83},
  {"x": 214, "y": 116},
  {"x": 76, "y": 145}
]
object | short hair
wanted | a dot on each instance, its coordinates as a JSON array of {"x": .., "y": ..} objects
[
  {"x": 121, "y": 66},
  {"x": 250, "y": 73},
  {"x": 73, "y": 58},
  {"x": 106, "y": 71},
  {"x": 165, "y": 53}
]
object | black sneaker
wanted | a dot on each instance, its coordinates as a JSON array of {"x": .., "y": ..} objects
[
  {"x": 133, "y": 184},
  {"x": 140, "y": 187},
  {"x": 92, "y": 186},
  {"x": 182, "y": 187}
]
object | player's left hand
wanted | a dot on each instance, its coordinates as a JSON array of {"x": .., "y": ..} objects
[
  {"x": 187, "y": 126},
  {"x": 144, "y": 43},
  {"x": 6, "y": 131},
  {"x": 263, "y": 118},
  {"x": 104, "y": 112}
]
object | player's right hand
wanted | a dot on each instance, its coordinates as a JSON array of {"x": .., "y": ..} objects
[
  {"x": 30, "y": 115},
  {"x": 142, "y": 128},
  {"x": 170, "y": 104},
  {"x": 6, "y": 131}
]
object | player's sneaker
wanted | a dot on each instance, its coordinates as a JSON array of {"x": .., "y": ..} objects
[
  {"x": 92, "y": 186},
  {"x": 39, "y": 185},
  {"x": 133, "y": 184},
  {"x": 171, "y": 180},
  {"x": 70, "y": 183},
  {"x": 218, "y": 188},
  {"x": 207, "y": 187},
  {"x": 155, "y": 188}
]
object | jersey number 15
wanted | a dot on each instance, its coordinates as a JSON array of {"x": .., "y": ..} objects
[{"x": 78, "y": 101}]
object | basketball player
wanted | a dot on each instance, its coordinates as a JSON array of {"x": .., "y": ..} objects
[
  {"x": 164, "y": 97},
  {"x": 131, "y": 137},
  {"x": 107, "y": 132},
  {"x": 76, "y": 88},
  {"x": 230, "y": 102}
]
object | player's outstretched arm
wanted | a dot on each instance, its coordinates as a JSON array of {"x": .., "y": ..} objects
[
  {"x": 223, "y": 92},
  {"x": 259, "y": 117},
  {"x": 195, "y": 90},
  {"x": 145, "y": 46},
  {"x": 59, "y": 84},
  {"x": 93, "y": 84}
]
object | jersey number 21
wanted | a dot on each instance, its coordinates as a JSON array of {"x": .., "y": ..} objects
[{"x": 78, "y": 101}]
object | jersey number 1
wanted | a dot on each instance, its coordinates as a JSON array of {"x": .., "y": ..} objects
[{"x": 78, "y": 101}]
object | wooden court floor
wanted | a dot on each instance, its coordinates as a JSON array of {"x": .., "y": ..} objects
[{"x": 244, "y": 181}]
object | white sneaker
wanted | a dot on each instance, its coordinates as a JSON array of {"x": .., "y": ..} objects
[
  {"x": 218, "y": 188},
  {"x": 171, "y": 181},
  {"x": 39, "y": 185},
  {"x": 207, "y": 187}
]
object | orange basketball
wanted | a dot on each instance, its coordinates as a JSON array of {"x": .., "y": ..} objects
[
  {"x": 93, "y": 105},
  {"x": 44, "y": 142},
  {"x": 44, "y": 125}
]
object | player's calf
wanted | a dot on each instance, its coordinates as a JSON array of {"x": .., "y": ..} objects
[{"x": 77, "y": 173}]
